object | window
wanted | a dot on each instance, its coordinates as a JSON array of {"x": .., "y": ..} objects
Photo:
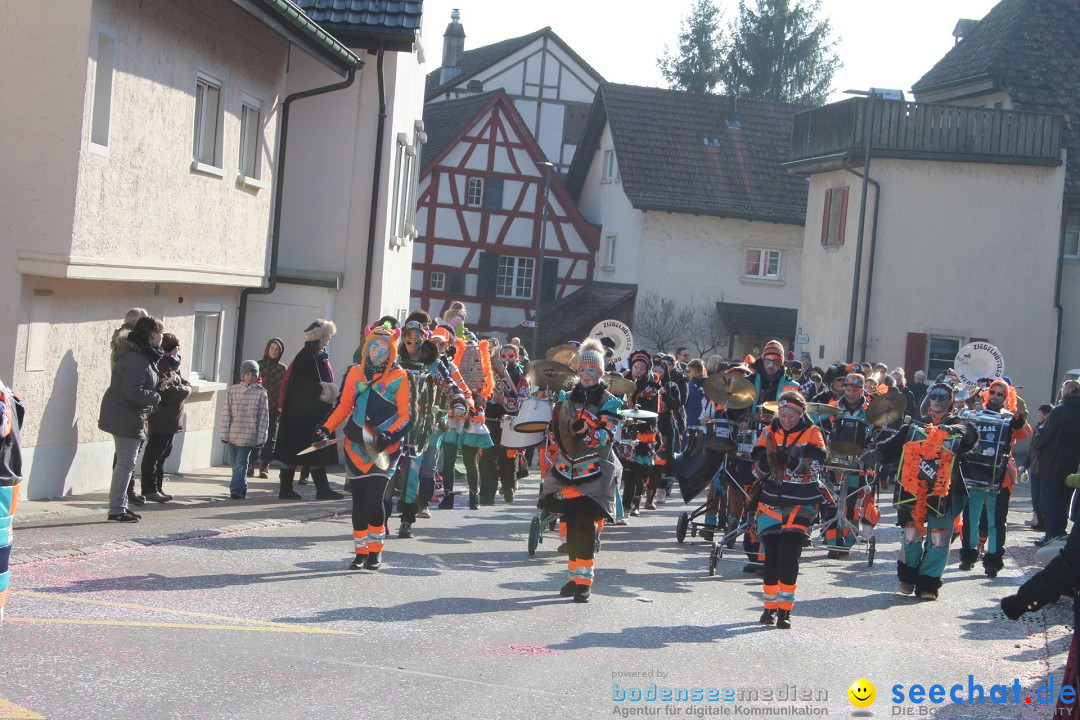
[
  {"x": 204, "y": 344},
  {"x": 493, "y": 195},
  {"x": 438, "y": 281},
  {"x": 609, "y": 252},
  {"x": 250, "y": 134},
  {"x": 206, "y": 143},
  {"x": 611, "y": 169},
  {"x": 1072, "y": 234},
  {"x": 834, "y": 217},
  {"x": 573, "y": 125},
  {"x": 941, "y": 354},
  {"x": 406, "y": 182},
  {"x": 101, "y": 116},
  {"x": 764, "y": 264},
  {"x": 476, "y": 192},
  {"x": 514, "y": 278}
]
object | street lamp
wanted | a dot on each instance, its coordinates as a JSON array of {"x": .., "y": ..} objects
[{"x": 538, "y": 276}]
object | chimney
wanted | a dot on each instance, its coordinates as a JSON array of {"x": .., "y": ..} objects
[
  {"x": 963, "y": 28},
  {"x": 453, "y": 48}
]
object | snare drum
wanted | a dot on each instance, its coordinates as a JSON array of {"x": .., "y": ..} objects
[
  {"x": 720, "y": 435},
  {"x": 513, "y": 439},
  {"x": 534, "y": 415},
  {"x": 850, "y": 436},
  {"x": 745, "y": 442}
]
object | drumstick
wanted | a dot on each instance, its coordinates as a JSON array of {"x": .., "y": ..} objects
[{"x": 770, "y": 453}]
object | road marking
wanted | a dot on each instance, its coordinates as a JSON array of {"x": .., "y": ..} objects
[
  {"x": 11, "y": 711},
  {"x": 188, "y": 626}
]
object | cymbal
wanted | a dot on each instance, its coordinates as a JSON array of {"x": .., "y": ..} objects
[
  {"x": 734, "y": 392},
  {"x": 886, "y": 409},
  {"x": 618, "y": 385},
  {"x": 635, "y": 414},
  {"x": 822, "y": 410},
  {"x": 548, "y": 374},
  {"x": 765, "y": 411},
  {"x": 564, "y": 354},
  {"x": 966, "y": 392},
  {"x": 319, "y": 445}
]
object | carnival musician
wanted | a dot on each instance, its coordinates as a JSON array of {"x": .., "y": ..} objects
[
  {"x": 638, "y": 460},
  {"x": 989, "y": 474},
  {"x": 787, "y": 460},
  {"x": 834, "y": 385},
  {"x": 498, "y": 465},
  {"x": 447, "y": 442},
  {"x": 583, "y": 488},
  {"x": 860, "y": 506},
  {"x": 770, "y": 378},
  {"x": 930, "y": 493},
  {"x": 661, "y": 476}
]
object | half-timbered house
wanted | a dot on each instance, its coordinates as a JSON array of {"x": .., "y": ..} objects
[{"x": 479, "y": 218}]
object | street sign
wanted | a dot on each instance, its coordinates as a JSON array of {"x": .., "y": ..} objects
[
  {"x": 802, "y": 339},
  {"x": 528, "y": 323}
]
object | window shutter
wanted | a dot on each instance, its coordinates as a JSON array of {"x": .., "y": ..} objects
[
  {"x": 825, "y": 218},
  {"x": 493, "y": 194},
  {"x": 489, "y": 268},
  {"x": 457, "y": 283},
  {"x": 549, "y": 281},
  {"x": 915, "y": 356},
  {"x": 978, "y": 340},
  {"x": 843, "y": 217}
]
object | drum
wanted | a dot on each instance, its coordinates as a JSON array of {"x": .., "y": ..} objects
[
  {"x": 985, "y": 464},
  {"x": 720, "y": 435},
  {"x": 534, "y": 415},
  {"x": 745, "y": 441},
  {"x": 513, "y": 439},
  {"x": 850, "y": 436}
]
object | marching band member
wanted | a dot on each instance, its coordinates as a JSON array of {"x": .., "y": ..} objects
[
  {"x": 638, "y": 466},
  {"x": 930, "y": 493},
  {"x": 374, "y": 398},
  {"x": 584, "y": 490},
  {"x": 498, "y": 465},
  {"x": 668, "y": 404},
  {"x": 770, "y": 379},
  {"x": 787, "y": 459},
  {"x": 469, "y": 434},
  {"x": 990, "y": 478},
  {"x": 834, "y": 385}
]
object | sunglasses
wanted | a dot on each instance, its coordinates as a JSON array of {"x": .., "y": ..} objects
[
  {"x": 414, "y": 341},
  {"x": 997, "y": 394},
  {"x": 938, "y": 396}
]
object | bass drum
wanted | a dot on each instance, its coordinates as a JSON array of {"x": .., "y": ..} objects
[
  {"x": 534, "y": 415},
  {"x": 515, "y": 440}
]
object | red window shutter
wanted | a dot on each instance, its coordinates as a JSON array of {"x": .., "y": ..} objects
[
  {"x": 842, "y": 222},
  {"x": 915, "y": 356},
  {"x": 978, "y": 340},
  {"x": 825, "y": 218}
]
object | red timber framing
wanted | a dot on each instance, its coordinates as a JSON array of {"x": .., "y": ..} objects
[{"x": 496, "y": 146}]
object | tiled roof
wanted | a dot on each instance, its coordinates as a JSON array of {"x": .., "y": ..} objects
[
  {"x": 473, "y": 61},
  {"x": 443, "y": 120},
  {"x": 576, "y": 314},
  {"x": 350, "y": 20},
  {"x": 758, "y": 319},
  {"x": 309, "y": 34},
  {"x": 665, "y": 164},
  {"x": 1031, "y": 49}
]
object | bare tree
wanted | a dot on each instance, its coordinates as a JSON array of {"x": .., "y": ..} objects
[
  {"x": 706, "y": 331},
  {"x": 660, "y": 323}
]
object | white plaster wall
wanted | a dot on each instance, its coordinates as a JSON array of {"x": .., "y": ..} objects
[
  {"x": 963, "y": 248},
  {"x": 143, "y": 200}
]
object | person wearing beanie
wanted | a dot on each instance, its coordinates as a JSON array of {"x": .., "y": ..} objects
[
  {"x": 850, "y": 426},
  {"x": 661, "y": 476},
  {"x": 582, "y": 486},
  {"x": 443, "y": 338},
  {"x": 787, "y": 460},
  {"x": 930, "y": 492},
  {"x": 272, "y": 372},
  {"x": 834, "y": 384},
  {"x": 989, "y": 473},
  {"x": 245, "y": 417},
  {"x": 498, "y": 466},
  {"x": 167, "y": 420},
  {"x": 770, "y": 378},
  {"x": 638, "y": 458},
  {"x": 307, "y": 395},
  {"x": 374, "y": 409}
]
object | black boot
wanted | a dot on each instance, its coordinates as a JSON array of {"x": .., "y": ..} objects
[
  {"x": 322, "y": 486},
  {"x": 374, "y": 561},
  {"x": 768, "y": 617},
  {"x": 582, "y": 593},
  {"x": 568, "y": 589},
  {"x": 474, "y": 501},
  {"x": 783, "y": 619},
  {"x": 285, "y": 491}
]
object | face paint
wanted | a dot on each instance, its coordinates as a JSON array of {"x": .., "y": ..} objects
[
  {"x": 852, "y": 392},
  {"x": 789, "y": 417},
  {"x": 639, "y": 369},
  {"x": 996, "y": 400},
  {"x": 379, "y": 350},
  {"x": 508, "y": 355},
  {"x": 589, "y": 374}
]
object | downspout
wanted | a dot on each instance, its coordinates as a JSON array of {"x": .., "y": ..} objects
[
  {"x": 369, "y": 269},
  {"x": 868, "y": 117},
  {"x": 275, "y": 229},
  {"x": 1057, "y": 304},
  {"x": 870, "y": 260}
]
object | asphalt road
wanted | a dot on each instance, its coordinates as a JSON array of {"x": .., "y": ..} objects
[{"x": 245, "y": 610}]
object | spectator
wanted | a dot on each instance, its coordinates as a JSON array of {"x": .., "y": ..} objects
[
  {"x": 130, "y": 318},
  {"x": 10, "y": 479},
  {"x": 682, "y": 355},
  {"x": 1057, "y": 448},
  {"x": 128, "y": 401},
  {"x": 715, "y": 364},
  {"x": 165, "y": 422},
  {"x": 901, "y": 385},
  {"x": 244, "y": 419},
  {"x": 272, "y": 372},
  {"x": 918, "y": 387},
  {"x": 696, "y": 401},
  {"x": 1031, "y": 467}
]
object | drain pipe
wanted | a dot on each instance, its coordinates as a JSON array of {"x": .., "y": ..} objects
[
  {"x": 369, "y": 269},
  {"x": 868, "y": 116},
  {"x": 275, "y": 229},
  {"x": 870, "y": 260},
  {"x": 1058, "y": 309}
]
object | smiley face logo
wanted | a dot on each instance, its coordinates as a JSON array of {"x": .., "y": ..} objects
[{"x": 862, "y": 693}]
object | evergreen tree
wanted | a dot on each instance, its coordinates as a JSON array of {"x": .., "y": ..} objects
[
  {"x": 781, "y": 52},
  {"x": 699, "y": 65}
]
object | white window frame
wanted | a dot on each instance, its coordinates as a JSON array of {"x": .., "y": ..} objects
[
  {"x": 102, "y": 95},
  {"x": 205, "y": 358},
  {"x": 249, "y": 167},
  {"x": 609, "y": 250},
  {"x": 611, "y": 167},
  {"x": 203, "y": 158},
  {"x": 474, "y": 192},
  {"x": 437, "y": 281},
  {"x": 1072, "y": 234},
  {"x": 763, "y": 263},
  {"x": 515, "y": 277}
]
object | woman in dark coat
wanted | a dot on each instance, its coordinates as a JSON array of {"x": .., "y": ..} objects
[
  {"x": 272, "y": 373},
  {"x": 165, "y": 422},
  {"x": 130, "y": 398},
  {"x": 307, "y": 397}
]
